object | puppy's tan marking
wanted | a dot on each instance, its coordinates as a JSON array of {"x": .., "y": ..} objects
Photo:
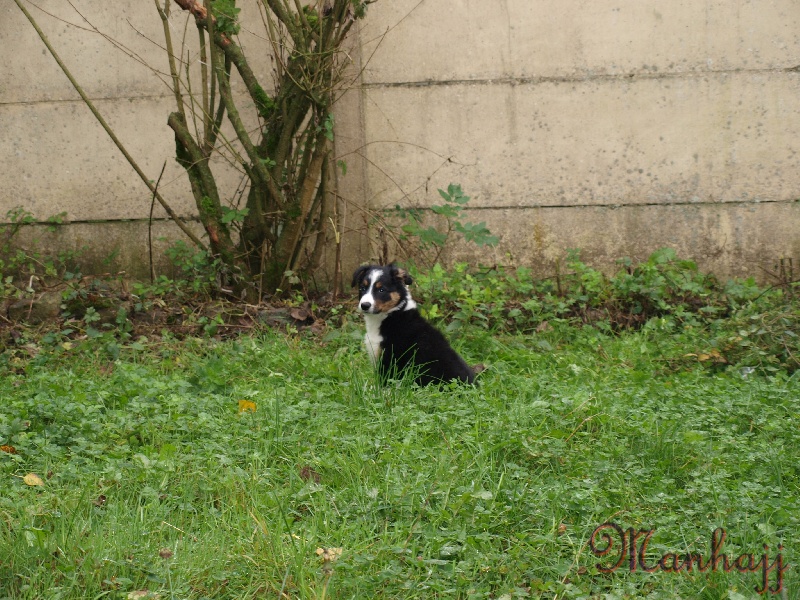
[{"x": 387, "y": 305}]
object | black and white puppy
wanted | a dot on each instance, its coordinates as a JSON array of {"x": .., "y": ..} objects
[{"x": 398, "y": 337}]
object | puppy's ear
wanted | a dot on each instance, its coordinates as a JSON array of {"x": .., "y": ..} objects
[
  {"x": 358, "y": 275},
  {"x": 401, "y": 275}
]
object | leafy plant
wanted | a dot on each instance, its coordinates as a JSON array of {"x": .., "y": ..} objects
[
  {"x": 428, "y": 240},
  {"x": 763, "y": 334},
  {"x": 22, "y": 270},
  {"x": 662, "y": 284},
  {"x": 747, "y": 326}
]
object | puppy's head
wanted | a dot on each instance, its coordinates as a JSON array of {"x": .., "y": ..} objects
[{"x": 381, "y": 290}]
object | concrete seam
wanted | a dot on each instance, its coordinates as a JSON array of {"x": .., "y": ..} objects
[
  {"x": 617, "y": 205},
  {"x": 513, "y": 81}
]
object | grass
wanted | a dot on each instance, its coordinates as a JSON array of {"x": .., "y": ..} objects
[{"x": 159, "y": 476}]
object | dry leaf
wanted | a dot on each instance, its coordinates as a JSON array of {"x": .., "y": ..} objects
[
  {"x": 8, "y": 449},
  {"x": 307, "y": 473},
  {"x": 713, "y": 355},
  {"x": 246, "y": 406},
  {"x": 32, "y": 479},
  {"x": 299, "y": 314},
  {"x": 107, "y": 369}
]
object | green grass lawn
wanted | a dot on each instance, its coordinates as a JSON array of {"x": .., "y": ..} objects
[{"x": 158, "y": 474}]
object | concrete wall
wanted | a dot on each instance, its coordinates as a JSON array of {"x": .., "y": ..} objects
[
  {"x": 615, "y": 126},
  {"x": 57, "y": 158}
]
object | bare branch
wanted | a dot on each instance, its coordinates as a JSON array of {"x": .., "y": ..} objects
[{"x": 173, "y": 70}]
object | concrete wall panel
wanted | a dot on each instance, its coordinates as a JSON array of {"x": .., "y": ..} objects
[
  {"x": 62, "y": 160},
  {"x": 475, "y": 39},
  {"x": 731, "y": 239},
  {"x": 135, "y": 67},
  {"x": 111, "y": 247},
  {"x": 706, "y": 138}
]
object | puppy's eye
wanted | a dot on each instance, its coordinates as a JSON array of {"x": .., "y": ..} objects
[{"x": 362, "y": 289}]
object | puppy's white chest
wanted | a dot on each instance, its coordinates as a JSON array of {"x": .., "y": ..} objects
[{"x": 373, "y": 337}]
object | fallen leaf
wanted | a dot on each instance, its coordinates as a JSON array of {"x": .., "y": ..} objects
[
  {"x": 299, "y": 314},
  {"x": 246, "y": 406},
  {"x": 8, "y": 449},
  {"x": 107, "y": 369},
  {"x": 307, "y": 473},
  {"x": 712, "y": 355},
  {"x": 32, "y": 479}
]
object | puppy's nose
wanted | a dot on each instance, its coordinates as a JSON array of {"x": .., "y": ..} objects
[{"x": 365, "y": 306}]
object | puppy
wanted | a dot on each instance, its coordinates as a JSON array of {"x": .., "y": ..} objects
[{"x": 397, "y": 337}]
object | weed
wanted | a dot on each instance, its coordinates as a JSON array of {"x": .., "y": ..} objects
[
  {"x": 425, "y": 241},
  {"x": 738, "y": 324}
]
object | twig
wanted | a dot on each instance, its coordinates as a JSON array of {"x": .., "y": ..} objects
[
  {"x": 93, "y": 29},
  {"x": 194, "y": 538},
  {"x": 589, "y": 418},
  {"x": 150, "y": 227},
  {"x": 173, "y": 70}
]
